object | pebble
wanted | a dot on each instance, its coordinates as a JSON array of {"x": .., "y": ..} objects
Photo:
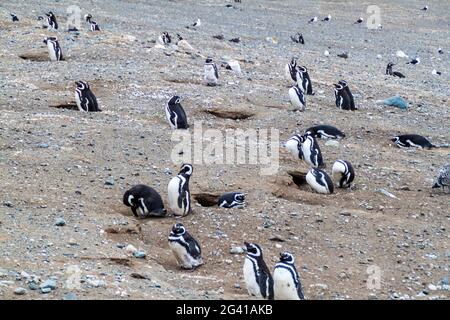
[
  {"x": 20, "y": 291},
  {"x": 33, "y": 286},
  {"x": 332, "y": 143},
  {"x": 237, "y": 250},
  {"x": 43, "y": 145},
  {"x": 70, "y": 296},
  {"x": 131, "y": 249},
  {"x": 109, "y": 181},
  {"x": 46, "y": 290},
  {"x": 139, "y": 254},
  {"x": 432, "y": 287},
  {"x": 60, "y": 222},
  {"x": 48, "y": 284}
]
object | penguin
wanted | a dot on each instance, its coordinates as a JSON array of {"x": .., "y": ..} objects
[
  {"x": 319, "y": 181},
  {"x": 304, "y": 81},
  {"x": 342, "y": 99},
  {"x": 51, "y": 21},
  {"x": 343, "y": 173},
  {"x": 178, "y": 191},
  {"x": 165, "y": 38},
  {"x": 257, "y": 276},
  {"x": 232, "y": 200},
  {"x": 311, "y": 152},
  {"x": 393, "y": 73},
  {"x": 211, "y": 73},
  {"x": 440, "y": 51},
  {"x": 443, "y": 178},
  {"x": 314, "y": 19},
  {"x": 185, "y": 248},
  {"x": 297, "y": 98},
  {"x": 414, "y": 61},
  {"x": 360, "y": 20},
  {"x": 175, "y": 114},
  {"x": 14, "y": 17},
  {"x": 286, "y": 282},
  {"x": 344, "y": 84},
  {"x": 436, "y": 73},
  {"x": 424, "y": 8},
  {"x": 144, "y": 201},
  {"x": 198, "y": 23},
  {"x": 294, "y": 145},
  {"x": 325, "y": 131},
  {"x": 54, "y": 49},
  {"x": 290, "y": 70},
  {"x": 94, "y": 25},
  {"x": 86, "y": 100},
  {"x": 412, "y": 140},
  {"x": 327, "y": 18},
  {"x": 298, "y": 38}
]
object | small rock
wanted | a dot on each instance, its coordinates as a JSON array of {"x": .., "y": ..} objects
[
  {"x": 228, "y": 261},
  {"x": 237, "y": 286},
  {"x": 33, "y": 286},
  {"x": 277, "y": 238},
  {"x": 332, "y": 143},
  {"x": 20, "y": 291},
  {"x": 131, "y": 249},
  {"x": 237, "y": 250},
  {"x": 109, "y": 181},
  {"x": 139, "y": 254},
  {"x": 46, "y": 290},
  {"x": 43, "y": 145},
  {"x": 432, "y": 287},
  {"x": 70, "y": 296},
  {"x": 48, "y": 284},
  {"x": 60, "y": 222}
]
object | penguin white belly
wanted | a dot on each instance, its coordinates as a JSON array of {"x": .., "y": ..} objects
[
  {"x": 51, "y": 51},
  {"x": 307, "y": 154},
  {"x": 182, "y": 256},
  {"x": 172, "y": 192},
  {"x": 78, "y": 100},
  {"x": 284, "y": 286},
  {"x": 291, "y": 145},
  {"x": 210, "y": 76},
  {"x": 168, "y": 115},
  {"x": 311, "y": 180},
  {"x": 250, "y": 279},
  {"x": 287, "y": 74},
  {"x": 295, "y": 99}
]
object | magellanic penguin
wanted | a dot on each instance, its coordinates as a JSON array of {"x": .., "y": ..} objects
[
  {"x": 257, "y": 276},
  {"x": 54, "y": 49},
  {"x": 412, "y": 140},
  {"x": 232, "y": 200},
  {"x": 327, "y": 18},
  {"x": 287, "y": 285},
  {"x": 211, "y": 76},
  {"x": 342, "y": 99},
  {"x": 298, "y": 38},
  {"x": 290, "y": 71},
  {"x": 297, "y": 98},
  {"x": 443, "y": 178},
  {"x": 325, "y": 131},
  {"x": 414, "y": 61},
  {"x": 175, "y": 114},
  {"x": 51, "y": 21},
  {"x": 319, "y": 181},
  {"x": 343, "y": 173},
  {"x": 314, "y": 19},
  {"x": 185, "y": 248},
  {"x": 393, "y": 73},
  {"x": 304, "y": 81},
  {"x": 294, "y": 145},
  {"x": 178, "y": 191},
  {"x": 86, "y": 100},
  {"x": 94, "y": 25},
  {"x": 14, "y": 17},
  {"x": 311, "y": 152},
  {"x": 165, "y": 38},
  {"x": 360, "y": 20},
  {"x": 344, "y": 84},
  {"x": 144, "y": 201}
]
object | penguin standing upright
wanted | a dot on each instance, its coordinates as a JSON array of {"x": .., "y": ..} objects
[
  {"x": 343, "y": 173},
  {"x": 304, "y": 81},
  {"x": 144, "y": 201},
  {"x": 165, "y": 38},
  {"x": 178, "y": 191},
  {"x": 211, "y": 76},
  {"x": 342, "y": 99},
  {"x": 54, "y": 49},
  {"x": 298, "y": 38},
  {"x": 344, "y": 84},
  {"x": 175, "y": 114},
  {"x": 94, "y": 25},
  {"x": 185, "y": 248},
  {"x": 297, "y": 98},
  {"x": 86, "y": 100},
  {"x": 290, "y": 71},
  {"x": 257, "y": 276},
  {"x": 287, "y": 285},
  {"x": 294, "y": 145},
  {"x": 319, "y": 181},
  {"x": 51, "y": 21},
  {"x": 311, "y": 151}
]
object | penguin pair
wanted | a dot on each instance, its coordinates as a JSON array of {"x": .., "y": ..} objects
[
  {"x": 232, "y": 200},
  {"x": 285, "y": 283},
  {"x": 344, "y": 97},
  {"x": 211, "y": 73},
  {"x": 178, "y": 192},
  {"x": 325, "y": 132},
  {"x": 306, "y": 147},
  {"x": 185, "y": 248},
  {"x": 144, "y": 202},
  {"x": 175, "y": 114},
  {"x": 51, "y": 21},
  {"x": 342, "y": 172},
  {"x": 54, "y": 49},
  {"x": 94, "y": 25},
  {"x": 86, "y": 100},
  {"x": 412, "y": 140},
  {"x": 393, "y": 73}
]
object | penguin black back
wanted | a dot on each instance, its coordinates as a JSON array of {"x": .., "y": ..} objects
[
  {"x": 144, "y": 201},
  {"x": 86, "y": 100},
  {"x": 176, "y": 114},
  {"x": 325, "y": 131},
  {"x": 412, "y": 140},
  {"x": 349, "y": 94}
]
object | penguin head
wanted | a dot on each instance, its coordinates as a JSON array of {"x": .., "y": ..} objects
[
  {"x": 338, "y": 87},
  {"x": 239, "y": 197},
  {"x": 293, "y": 62},
  {"x": 390, "y": 65},
  {"x": 209, "y": 60},
  {"x": 50, "y": 14},
  {"x": 179, "y": 37},
  {"x": 50, "y": 39},
  {"x": 286, "y": 257},
  {"x": 178, "y": 229},
  {"x": 88, "y": 17},
  {"x": 343, "y": 83},
  {"x": 303, "y": 69},
  {"x": 174, "y": 100},
  {"x": 395, "y": 139},
  {"x": 82, "y": 85},
  {"x": 253, "y": 250},
  {"x": 186, "y": 169},
  {"x": 437, "y": 184}
]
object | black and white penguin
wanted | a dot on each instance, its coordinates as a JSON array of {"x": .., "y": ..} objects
[
  {"x": 344, "y": 84},
  {"x": 297, "y": 98},
  {"x": 144, "y": 201},
  {"x": 342, "y": 99},
  {"x": 325, "y": 131},
  {"x": 175, "y": 114},
  {"x": 298, "y": 38},
  {"x": 14, "y": 17},
  {"x": 94, "y": 25},
  {"x": 443, "y": 178},
  {"x": 327, "y": 18},
  {"x": 178, "y": 191},
  {"x": 343, "y": 173},
  {"x": 311, "y": 152},
  {"x": 360, "y": 20},
  {"x": 86, "y": 100},
  {"x": 412, "y": 140},
  {"x": 304, "y": 81},
  {"x": 294, "y": 145},
  {"x": 165, "y": 38},
  {"x": 257, "y": 276},
  {"x": 286, "y": 282},
  {"x": 51, "y": 21},
  {"x": 436, "y": 73},
  {"x": 414, "y": 61},
  {"x": 393, "y": 73},
  {"x": 440, "y": 51},
  {"x": 211, "y": 76},
  {"x": 314, "y": 19},
  {"x": 290, "y": 71},
  {"x": 198, "y": 23},
  {"x": 424, "y": 8},
  {"x": 232, "y": 200},
  {"x": 54, "y": 49},
  {"x": 319, "y": 181},
  {"x": 185, "y": 248}
]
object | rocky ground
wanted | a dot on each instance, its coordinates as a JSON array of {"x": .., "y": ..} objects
[{"x": 63, "y": 173}]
